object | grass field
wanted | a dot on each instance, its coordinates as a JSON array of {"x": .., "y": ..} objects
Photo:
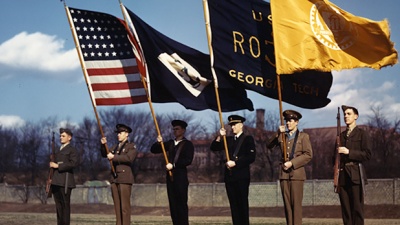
[{"x": 7, "y": 218}]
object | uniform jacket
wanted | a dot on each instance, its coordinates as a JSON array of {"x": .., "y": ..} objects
[
  {"x": 181, "y": 161},
  {"x": 244, "y": 157},
  {"x": 67, "y": 160},
  {"x": 302, "y": 155},
  {"x": 359, "y": 145},
  {"x": 122, "y": 161}
]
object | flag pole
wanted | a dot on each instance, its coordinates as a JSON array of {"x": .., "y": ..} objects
[
  {"x": 208, "y": 31},
  {"x": 144, "y": 82},
  {"x": 85, "y": 75},
  {"x": 278, "y": 79}
]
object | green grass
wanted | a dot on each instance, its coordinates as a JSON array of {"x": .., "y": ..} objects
[{"x": 106, "y": 219}]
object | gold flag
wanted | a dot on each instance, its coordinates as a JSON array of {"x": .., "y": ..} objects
[{"x": 316, "y": 34}]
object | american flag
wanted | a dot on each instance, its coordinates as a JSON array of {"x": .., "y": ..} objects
[{"x": 111, "y": 69}]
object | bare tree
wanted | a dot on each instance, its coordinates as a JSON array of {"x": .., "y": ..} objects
[
  {"x": 8, "y": 146},
  {"x": 385, "y": 140}
]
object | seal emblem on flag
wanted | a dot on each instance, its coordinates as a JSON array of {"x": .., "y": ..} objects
[{"x": 330, "y": 28}]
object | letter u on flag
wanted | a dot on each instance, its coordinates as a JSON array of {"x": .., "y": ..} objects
[{"x": 316, "y": 34}]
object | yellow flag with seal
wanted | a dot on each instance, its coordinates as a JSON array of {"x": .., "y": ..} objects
[{"x": 316, "y": 34}]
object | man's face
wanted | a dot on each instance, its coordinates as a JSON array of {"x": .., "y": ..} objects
[
  {"x": 122, "y": 136},
  {"x": 291, "y": 124},
  {"x": 350, "y": 117},
  {"x": 237, "y": 127},
  {"x": 65, "y": 138},
  {"x": 178, "y": 131}
]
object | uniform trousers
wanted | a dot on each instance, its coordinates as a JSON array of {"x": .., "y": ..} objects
[
  {"x": 238, "y": 195},
  {"x": 178, "y": 199},
  {"x": 121, "y": 194},
  {"x": 63, "y": 206},
  {"x": 352, "y": 203},
  {"x": 292, "y": 194}
]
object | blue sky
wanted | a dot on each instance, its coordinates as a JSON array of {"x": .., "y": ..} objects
[{"x": 40, "y": 74}]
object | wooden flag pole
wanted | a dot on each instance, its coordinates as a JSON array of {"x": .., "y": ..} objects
[
  {"x": 156, "y": 125},
  {"x": 143, "y": 79},
  {"x": 85, "y": 75},
  {"x": 284, "y": 152},
  {"x": 208, "y": 30}
]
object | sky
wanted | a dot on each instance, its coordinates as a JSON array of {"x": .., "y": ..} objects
[{"x": 41, "y": 77}]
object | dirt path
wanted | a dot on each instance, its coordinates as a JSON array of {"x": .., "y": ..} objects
[{"x": 373, "y": 212}]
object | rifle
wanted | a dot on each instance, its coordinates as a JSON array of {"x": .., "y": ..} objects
[
  {"x": 51, "y": 171},
  {"x": 336, "y": 168}
]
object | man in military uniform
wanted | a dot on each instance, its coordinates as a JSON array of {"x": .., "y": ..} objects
[
  {"x": 242, "y": 152},
  {"x": 62, "y": 183},
  {"x": 180, "y": 155},
  {"x": 122, "y": 156},
  {"x": 355, "y": 148},
  {"x": 292, "y": 172}
]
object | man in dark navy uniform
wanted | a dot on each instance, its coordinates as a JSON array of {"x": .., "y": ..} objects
[
  {"x": 180, "y": 155},
  {"x": 242, "y": 152}
]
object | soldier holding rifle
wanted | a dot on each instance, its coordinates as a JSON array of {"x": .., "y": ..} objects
[
  {"x": 180, "y": 154},
  {"x": 355, "y": 149},
  {"x": 242, "y": 153},
  {"x": 122, "y": 156},
  {"x": 292, "y": 173},
  {"x": 62, "y": 182}
]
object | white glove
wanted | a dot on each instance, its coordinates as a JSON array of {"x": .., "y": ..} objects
[
  {"x": 230, "y": 164},
  {"x": 222, "y": 132},
  {"x": 169, "y": 166}
]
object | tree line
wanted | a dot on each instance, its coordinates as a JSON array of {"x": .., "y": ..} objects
[{"x": 25, "y": 150}]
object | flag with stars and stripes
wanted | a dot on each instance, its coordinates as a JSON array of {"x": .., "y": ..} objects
[{"x": 107, "y": 58}]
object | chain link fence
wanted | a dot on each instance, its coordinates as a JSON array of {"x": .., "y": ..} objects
[{"x": 268, "y": 194}]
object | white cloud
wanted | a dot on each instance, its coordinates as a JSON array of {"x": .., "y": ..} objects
[
  {"x": 38, "y": 51},
  {"x": 9, "y": 121}
]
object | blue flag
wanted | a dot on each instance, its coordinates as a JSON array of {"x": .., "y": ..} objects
[
  {"x": 243, "y": 49},
  {"x": 178, "y": 73}
]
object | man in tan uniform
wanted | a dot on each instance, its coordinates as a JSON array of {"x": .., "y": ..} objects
[{"x": 292, "y": 173}]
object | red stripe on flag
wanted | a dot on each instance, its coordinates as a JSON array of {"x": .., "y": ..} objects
[
  {"x": 109, "y": 71},
  {"x": 121, "y": 101},
  {"x": 117, "y": 86}
]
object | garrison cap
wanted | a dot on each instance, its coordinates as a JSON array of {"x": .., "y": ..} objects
[
  {"x": 66, "y": 130},
  {"x": 122, "y": 127},
  {"x": 291, "y": 114},
  {"x": 234, "y": 119},
  {"x": 345, "y": 107},
  {"x": 180, "y": 123}
]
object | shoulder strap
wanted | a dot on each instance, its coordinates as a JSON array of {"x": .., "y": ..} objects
[
  {"x": 240, "y": 141},
  {"x": 178, "y": 151},
  {"x": 294, "y": 144}
]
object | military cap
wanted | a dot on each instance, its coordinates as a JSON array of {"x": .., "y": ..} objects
[
  {"x": 291, "y": 114},
  {"x": 345, "y": 107},
  {"x": 234, "y": 119},
  {"x": 122, "y": 127},
  {"x": 180, "y": 123},
  {"x": 66, "y": 130}
]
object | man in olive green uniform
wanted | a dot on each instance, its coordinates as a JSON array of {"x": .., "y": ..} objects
[
  {"x": 62, "y": 183},
  {"x": 122, "y": 156},
  {"x": 355, "y": 148}
]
